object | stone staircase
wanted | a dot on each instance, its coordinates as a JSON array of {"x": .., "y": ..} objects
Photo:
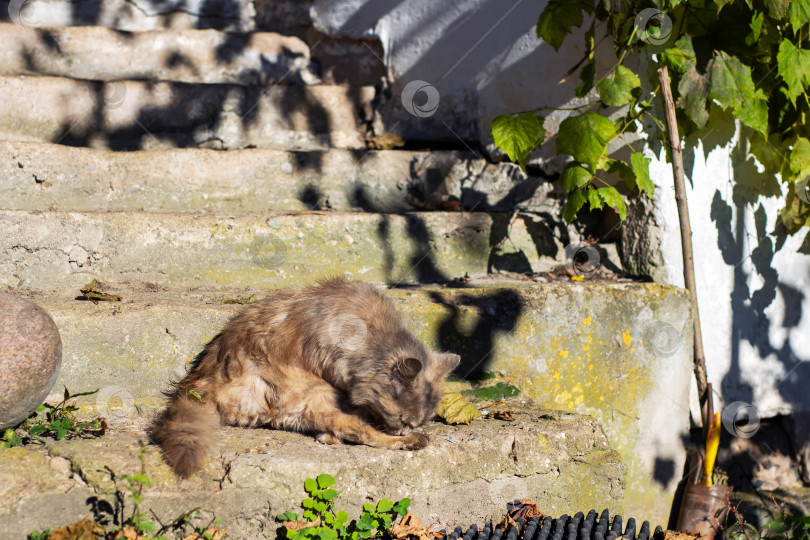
[{"x": 188, "y": 157}]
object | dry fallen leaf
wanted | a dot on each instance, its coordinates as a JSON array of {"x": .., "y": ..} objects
[
  {"x": 675, "y": 535},
  {"x": 386, "y": 141},
  {"x": 244, "y": 300},
  {"x": 505, "y": 415},
  {"x": 525, "y": 509},
  {"x": 410, "y": 527},
  {"x": 211, "y": 533},
  {"x": 455, "y": 409},
  {"x": 507, "y": 522},
  {"x": 127, "y": 533},
  {"x": 298, "y": 525},
  {"x": 85, "y": 529},
  {"x": 91, "y": 292}
]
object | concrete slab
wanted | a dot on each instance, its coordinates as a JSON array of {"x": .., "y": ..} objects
[
  {"x": 41, "y": 176},
  {"x": 133, "y": 115},
  {"x": 189, "y": 56},
  {"x": 66, "y": 250},
  {"x": 618, "y": 352},
  {"x": 467, "y": 474}
]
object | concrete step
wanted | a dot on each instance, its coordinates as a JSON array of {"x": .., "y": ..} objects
[
  {"x": 132, "y": 15},
  {"x": 190, "y": 56},
  {"x": 132, "y": 115},
  {"x": 467, "y": 474},
  {"x": 66, "y": 250},
  {"x": 618, "y": 352},
  {"x": 41, "y": 176}
]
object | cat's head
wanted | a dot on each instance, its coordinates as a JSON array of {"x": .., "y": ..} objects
[{"x": 404, "y": 394}]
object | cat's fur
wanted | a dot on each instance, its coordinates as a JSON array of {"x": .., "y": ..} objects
[{"x": 334, "y": 359}]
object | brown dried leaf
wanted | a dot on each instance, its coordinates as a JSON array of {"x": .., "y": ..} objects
[
  {"x": 127, "y": 533},
  {"x": 505, "y": 415},
  {"x": 298, "y": 525},
  {"x": 386, "y": 141},
  {"x": 675, "y": 535},
  {"x": 91, "y": 292},
  {"x": 212, "y": 532},
  {"x": 85, "y": 529},
  {"x": 507, "y": 522},
  {"x": 526, "y": 509},
  {"x": 410, "y": 527}
]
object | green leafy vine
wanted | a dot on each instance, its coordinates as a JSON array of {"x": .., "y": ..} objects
[{"x": 747, "y": 57}]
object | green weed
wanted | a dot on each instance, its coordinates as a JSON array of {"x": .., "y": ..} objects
[{"x": 322, "y": 522}]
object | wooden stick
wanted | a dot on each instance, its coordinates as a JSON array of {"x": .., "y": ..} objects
[{"x": 686, "y": 238}]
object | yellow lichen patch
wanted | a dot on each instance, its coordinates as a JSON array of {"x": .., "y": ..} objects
[
  {"x": 626, "y": 337},
  {"x": 587, "y": 321},
  {"x": 564, "y": 353}
]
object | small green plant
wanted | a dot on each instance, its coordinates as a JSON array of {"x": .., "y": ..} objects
[
  {"x": 37, "y": 535},
  {"x": 324, "y": 523},
  {"x": 54, "y": 421},
  {"x": 786, "y": 527}
]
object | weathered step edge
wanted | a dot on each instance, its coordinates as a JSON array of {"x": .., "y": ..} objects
[
  {"x": 467, "y": 474},
  {"x": 617, "y": 352},
  {"x": 43, "y": 176},
  {"x": 63, "y": 250},
  {"x": 189, "y": 56},
  {"x": 134, "y": 115}
]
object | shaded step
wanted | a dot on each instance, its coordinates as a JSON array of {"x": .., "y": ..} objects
[
  {"x": 36, "y": 176},
  {"x": 132, "y": 15},
  {"x": 131, "y": 115},
  {"x": 66, "y": 250},
  {"x": 190, "y": 56},
  {"x": 467, "y": 474}
]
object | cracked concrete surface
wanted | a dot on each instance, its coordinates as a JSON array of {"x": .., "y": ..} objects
[
  {"x": 187, "y": 180},
  {"x": 467, "y": 474},
  {"x": 130, "y": 115}
]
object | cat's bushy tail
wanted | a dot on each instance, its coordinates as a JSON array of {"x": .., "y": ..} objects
[{"x": 185, "y": 432}]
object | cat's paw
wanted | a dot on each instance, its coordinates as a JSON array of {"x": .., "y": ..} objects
[
  {"x": 412, "y": 441},
  {"x": 327, "y": 438}
]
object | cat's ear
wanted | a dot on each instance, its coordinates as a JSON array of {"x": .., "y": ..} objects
[
  {"x": 408, "y": 368},
  {"x": 447, "y": 363}
]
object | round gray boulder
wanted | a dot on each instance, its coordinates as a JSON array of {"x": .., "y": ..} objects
[{"x": 30, "y": 356}]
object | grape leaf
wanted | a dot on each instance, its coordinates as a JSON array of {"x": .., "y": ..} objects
[
  {"x": 798, "y": 13},
  {"x": 585, "y": 137},
  {"x": 586, "y": 75},
  {"x": 756, "y": 29},
  {"x": 613, "y": 198},
  {"x": 558, "y": 18},
  {"x": 777, "y": 9},
  {"x": 680, "y": 57},
  {"x": 794, "y": 68},
  {"x": 574, "y": 176},
  {"x": 641, "y": 168},
  {"x": 620, "y": 89},
  {"x": 518, "y": 135},
  {"x": 766, "y": 151},
  {"x": 733, "y": 87},
  {"x": 800, "y": 156},
  {"x": 594, "y": 200},
  {"x": 624, "y": 171},
  {"x": 572, "y": 207}
]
